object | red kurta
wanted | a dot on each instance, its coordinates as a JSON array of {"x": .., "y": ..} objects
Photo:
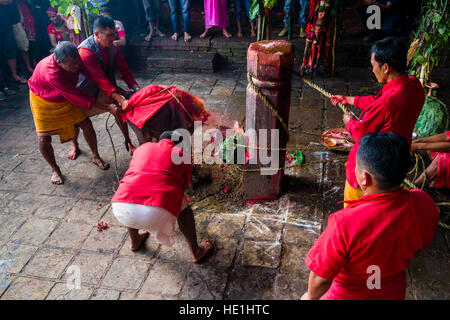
[
  {"x": 443, "y": 174},
  {"x": 152, "y": 179},
  {"x": 52, "y": 83},
  {"x": 383, "y": 230},
  {"x": 394, "y": 109},
  {"x": 95, "y": 69}
]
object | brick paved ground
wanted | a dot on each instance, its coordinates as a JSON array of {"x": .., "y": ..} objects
[{"x": 46, "y": 229}]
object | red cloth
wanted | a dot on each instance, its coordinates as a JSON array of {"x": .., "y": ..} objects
[
  {"x": 147, "y": 101},
  {"x": 28, "y": 20},
  {"x": 386, "y": 230},
  {"x": 119, "y": 29},
  {"x": 52, "y": 83},
  {"x": 152, "y": 179},
  {"x": 394, "y": 109},
  {"x": 443, "y": 174},
  {"x": 96, "y": 71}
]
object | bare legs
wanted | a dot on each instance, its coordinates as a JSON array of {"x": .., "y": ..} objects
[
  {"x": 186, "y": 223},
  {"x": 13, "y": 68},
  {"x": 224, "y": 31},
  {"x": 46, "y": 149},
  {"x": 152, "y": 31},
  {"x": 26, "y": 58}
]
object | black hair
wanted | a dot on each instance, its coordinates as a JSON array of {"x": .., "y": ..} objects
[
  {"x": 391, "y": 51},
  {"x": 103, "y": 23},
  {"x": 105, "y": 9},
  {"x": 65, "y": 49},
  {"x": 174, "y": 135},
  {"x": 386, "y": 156}
]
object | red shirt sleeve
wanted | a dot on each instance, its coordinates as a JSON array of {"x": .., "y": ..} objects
[
  {"x": 371, "y": 122},
  {"x": 448, "y": 133},
  {"x": 328, "y": 255},
  {"x": 71, "y": 93},
  {"x": 96, "y": 72},
  {"x": 122, "y": 66},
  {"x": 363, "y": 102}
]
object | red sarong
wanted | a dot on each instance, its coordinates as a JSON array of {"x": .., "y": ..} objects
[{"x": 148, "y": 101}]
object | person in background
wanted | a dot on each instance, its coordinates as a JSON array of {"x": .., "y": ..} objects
[
  {"x": 57, "y": 29},
  {"x": 302, "y": 17},
  {"x": 246, "y": 4},
  {"x": 186, "y": 13},
  {"x": 151, "y": 196},
  {"x": 121, "y": 37},
  {"x": 10, "y": 21},
  {"x": 30, "y": 28},
  {"x": 152, "y": 10},
  {"x": 366, "y": 248},
  {"x": 216, "y": 16}
]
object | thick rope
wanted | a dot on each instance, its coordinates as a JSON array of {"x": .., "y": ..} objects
[
  {"x": 267, "y": 102},
  {"x": 114, "y": 151},
  {"x": 321, "y": 90}
]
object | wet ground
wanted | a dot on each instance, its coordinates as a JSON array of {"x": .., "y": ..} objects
[{"x": 47, "y": 229}]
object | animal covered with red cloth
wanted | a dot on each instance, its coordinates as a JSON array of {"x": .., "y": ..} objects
[{"x": 155, "y": 109}]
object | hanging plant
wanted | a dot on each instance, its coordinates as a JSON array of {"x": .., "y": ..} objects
[{"x": 431, "y": 40}]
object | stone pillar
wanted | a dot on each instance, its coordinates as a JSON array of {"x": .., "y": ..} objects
[{"x": 270, "y": 65}]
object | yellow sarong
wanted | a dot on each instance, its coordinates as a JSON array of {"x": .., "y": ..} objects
[
  {"x": 350, "y": 193},
  {"x": 55, "y": 118}
]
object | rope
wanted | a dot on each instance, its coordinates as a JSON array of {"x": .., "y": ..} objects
[
  {"x": 321, "y": 90},
  {"x": 291, "y": 166},
  {"x": 267, "y": 103},
  {"x": 301, "y": 147},
  {"x": 114, "y": 151}
]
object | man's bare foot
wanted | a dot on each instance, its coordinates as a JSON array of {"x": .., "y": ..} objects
[
  {"x": 240, "y": 35},
  {"x": 100, "y": 163},
  {"x": 141, "y": 239},
  {"x": 253, "y": 33},
  {"x": 204, "y": 248},
  {"x": 30, "y": 69},
  {"x": 226, "y": 33},
  {"x": 74, "y": 152},
  {"x": 204, "y": 34},
  {"x": 160, "y": 33},
  {"x": 57, "y": 177},
  {"x": 187, "y": 37},
  {"x": 21, "y": 80},
  {"x": 174, "y": 36},
  {"x": 149, "y": 37}
]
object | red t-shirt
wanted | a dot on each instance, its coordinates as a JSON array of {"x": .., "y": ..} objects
[
  {"x": 385, "y": 230},
  {"x": 394, "y": 109},
  {"x": 95, "y": 69},
  {"x": 152, "y": 179}
]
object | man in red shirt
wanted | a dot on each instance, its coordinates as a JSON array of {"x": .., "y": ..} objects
[
  {"x": 151, "y": 196},
  {"x": 438, "y": 172},
  {"x": 366, "y": 247},
  {"x": 394, "y": 109},
  {"x": 101, "y": 56},
  {"x": 57, "y": 104}
]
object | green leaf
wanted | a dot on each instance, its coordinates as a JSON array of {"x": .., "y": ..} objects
[
  {"x": 420, "y": 59},
  {"x": 254, "y": 10}
]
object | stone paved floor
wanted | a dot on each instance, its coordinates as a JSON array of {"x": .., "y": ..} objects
[{"x": 46, "y": 229}]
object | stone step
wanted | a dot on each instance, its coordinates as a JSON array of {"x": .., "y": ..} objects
[{"x": 175, "y": 61}]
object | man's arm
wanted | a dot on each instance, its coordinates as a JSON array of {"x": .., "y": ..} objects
[
  {"x": 317, "y": 286},
  {"x": 125, "y": 72},
  {"x": 72, "y": 94},
  {"x": 369, "y": 123},
  {"x": 436, "y": 143},
  {"x": 121, "y": 42}
]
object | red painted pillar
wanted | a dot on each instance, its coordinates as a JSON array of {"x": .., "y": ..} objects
[{"x": 270, "y": 65}]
